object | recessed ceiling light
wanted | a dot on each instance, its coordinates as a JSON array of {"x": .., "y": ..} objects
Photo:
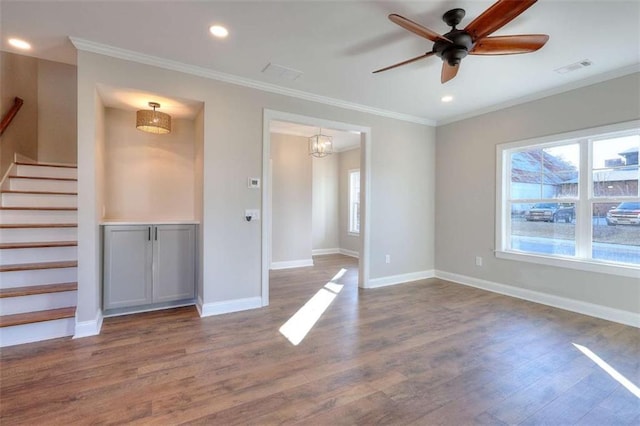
[
  {"x": 20, "y": 44},
  {"x": 447, "y": 98},
  {"x": 219, "y": 31}
]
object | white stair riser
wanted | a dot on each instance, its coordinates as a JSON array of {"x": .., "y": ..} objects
[
  {"x": 37, "y": 255},
  {"x": 33, "y": 235},
  {"x": 38, "y": 216},
  {"x": 17, "y": 184},
  {"x": 37, "y": 277},
  {"x": 39, "y": 200},
  {"x": 36, "y": 332},
  {"x": 38, "y": 302},
  {"x": 46, "y": 171}
]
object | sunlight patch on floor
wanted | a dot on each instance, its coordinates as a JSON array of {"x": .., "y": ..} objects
[
  {"x": 609, "y": 370},
  {"x": 297, "y": 327}
]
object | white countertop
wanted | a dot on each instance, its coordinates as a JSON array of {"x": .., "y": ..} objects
[{"x": 149, "y": 222}]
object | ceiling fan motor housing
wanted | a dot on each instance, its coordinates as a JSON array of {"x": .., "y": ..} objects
[{"x": 455, "y": 51}]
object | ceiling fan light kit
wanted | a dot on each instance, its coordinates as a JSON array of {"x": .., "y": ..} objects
[{"x": 455, "y": 45}]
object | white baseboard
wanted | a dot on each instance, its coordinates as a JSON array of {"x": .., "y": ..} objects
[
  {"x": 292, "y": 264},
  {"x": 586, "y": 308},
  {"x": 349, "y": 253},
  {"x": 320, "y": 252},
  {"x": 228, "y": 306},
  {"x": 400, "y": 279},
  {"x": 88, "y": 328}
]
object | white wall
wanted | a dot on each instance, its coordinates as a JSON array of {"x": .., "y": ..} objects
[
  {"x": 291, "y": 208},
  {"x": 57, "y": 112},
  {"x": 348, "y": 160},
  {"x": 325, "y": 215},
  {"x": 402, "y": 153},
  {"x": 466, "y": 190},
  {"x": 148, "y": 176}
]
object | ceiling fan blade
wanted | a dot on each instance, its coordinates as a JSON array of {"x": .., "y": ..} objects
[
  {"x": 408, "y": 61},
  {"x": 448, "y": 71},
  {"x": 415, "y": 28},
  {"x": 498, "y": 15},
  {"x": 509, "y": 45}
]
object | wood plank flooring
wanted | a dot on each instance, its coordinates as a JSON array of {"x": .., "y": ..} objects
[{"x": 424, "y": 353}]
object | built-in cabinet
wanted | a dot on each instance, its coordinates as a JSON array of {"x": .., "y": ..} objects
[{"x": 148, "y": 265}]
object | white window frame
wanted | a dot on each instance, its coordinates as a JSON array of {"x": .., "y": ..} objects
[
  {"x": 583, "y": 230},
  {"x": 351, "y": 230}
]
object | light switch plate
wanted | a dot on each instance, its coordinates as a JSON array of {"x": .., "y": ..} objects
[{"x": 253, "y": 182}]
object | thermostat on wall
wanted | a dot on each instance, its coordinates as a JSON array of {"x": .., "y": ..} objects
[{"x": 253, "y": 183}]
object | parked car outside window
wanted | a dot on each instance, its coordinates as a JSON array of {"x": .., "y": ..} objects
[
  {"x": 551, "y": 212},
  {"x": 627, "y": 213}
]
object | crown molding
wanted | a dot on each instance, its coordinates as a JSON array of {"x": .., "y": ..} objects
[
  {"x": 599, "y": 78},
  {"x": 129, "y": 55}
]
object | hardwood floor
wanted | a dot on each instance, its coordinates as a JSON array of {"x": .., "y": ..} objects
[{"x": 424, "y": 353}]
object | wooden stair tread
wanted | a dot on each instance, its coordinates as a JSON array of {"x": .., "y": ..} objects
[
  {"x": 38, "y": 316},
  {"x": 37, "y": 289},
  {"x": 11, "y": 191},
  {"x": 40, "y": 177},
  {"x": 37, "y": 225},
  {"x": 64, "y": 166},
  {"x": 41, "y": 244},
  {"x": 37, "y": 266},
  {"x": 38, "y": 208}
]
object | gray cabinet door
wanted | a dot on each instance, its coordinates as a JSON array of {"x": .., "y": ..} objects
[
  {"x": 173, "y": 262},
  {"x": 128, "y": 254}
]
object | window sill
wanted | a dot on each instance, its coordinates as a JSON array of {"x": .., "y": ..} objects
[
  {"x": 353, "y": 234},
  {"x": 571, "y": 263}
]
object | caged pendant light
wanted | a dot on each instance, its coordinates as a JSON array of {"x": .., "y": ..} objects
[
  {"x": 320, "y": 145},
  {"x": 153, "y": 121}
]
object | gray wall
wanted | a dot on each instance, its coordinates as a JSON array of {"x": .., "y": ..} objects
[
  {"x": 466, "y": 190},
  {"x": 325, "y": 213},
  {"x": 291, "y": 189},
  {"x": 19, "y": 77},
  {"x": 349, "y": 160},
  {"x": 45, "y": 127},
  {"x": 57, "y": 112}
]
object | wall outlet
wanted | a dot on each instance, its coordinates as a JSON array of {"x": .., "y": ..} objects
[
  {"x": 251, "y": 215},
  {"x": 387, "y": 258},
  {"x": 478, "y": 261}
]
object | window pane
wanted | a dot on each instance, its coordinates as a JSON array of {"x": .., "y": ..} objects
[
  {"x": 615, "y": 167},
  {"x": 616, "y": 232},
  {"x": 354, "y": 201},
  {"x": 543, "y": 228},
  {"x": 545, "y": 173}
]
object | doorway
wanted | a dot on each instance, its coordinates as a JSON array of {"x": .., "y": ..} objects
[{"x": 269, "y": 118}]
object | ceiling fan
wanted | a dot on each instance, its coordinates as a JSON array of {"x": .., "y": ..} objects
[{"x": 473, "y": 39}]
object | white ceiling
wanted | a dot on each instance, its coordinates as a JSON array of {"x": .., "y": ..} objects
[
  {"x": 336, "y": 44},
  {"x": 342, "y": 141}
]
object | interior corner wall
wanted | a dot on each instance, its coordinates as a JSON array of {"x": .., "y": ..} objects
[
  {"x": 198, "y": 176},
  {"x": 291, "y": 194},
  {"x": 149, "y": 177},
  {"x": 402, "y": 153},
  {"x": 348, "y": 160},
  {"x": 325, "y": 215},
  {"x": 18, "y": 78},
  {"x": 466, "y": 190},
  {"x": 57, "y": 112}
]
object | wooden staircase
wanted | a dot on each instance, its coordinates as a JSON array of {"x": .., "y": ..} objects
[{"x": 38, "y": 253}]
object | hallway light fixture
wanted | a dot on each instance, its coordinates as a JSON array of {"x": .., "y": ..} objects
[
  {"x": 320, "y": 145},
  {"x": 153, "y": 121}
]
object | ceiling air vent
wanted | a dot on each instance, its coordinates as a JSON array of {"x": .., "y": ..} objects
[
  {"x": 573, "y": 67},
  {"x": 281, "y": 72}
]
